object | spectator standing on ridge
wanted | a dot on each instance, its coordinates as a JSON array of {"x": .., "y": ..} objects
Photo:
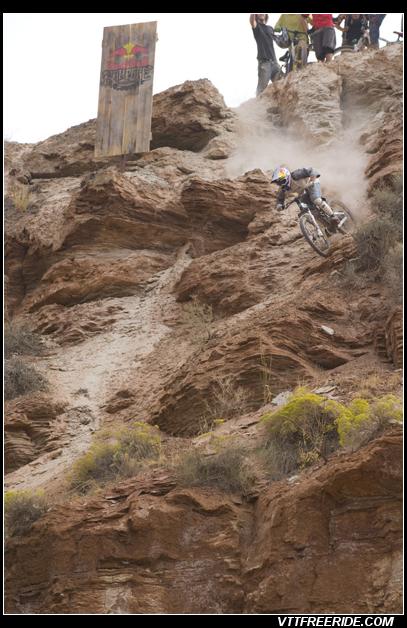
[
  {"x": 323, "y": 37},
  {"x": 268, "y": 67},
  {"x": 375, "y": 21},
  {"x": 355, "y": 24},
  {"x": 296, "y": 25}
]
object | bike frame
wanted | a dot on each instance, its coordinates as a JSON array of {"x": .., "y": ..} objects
[{"x": 305, "y": 208}]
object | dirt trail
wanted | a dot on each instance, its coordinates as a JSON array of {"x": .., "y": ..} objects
[{"x": 85, "y": 375}]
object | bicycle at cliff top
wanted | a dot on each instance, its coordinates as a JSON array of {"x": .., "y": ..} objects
[
  {"x": 315, "y": 225},
  {"x": 296, "y": 55}
]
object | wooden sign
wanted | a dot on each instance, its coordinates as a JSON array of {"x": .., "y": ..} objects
[{"x": 126, "y": 90}]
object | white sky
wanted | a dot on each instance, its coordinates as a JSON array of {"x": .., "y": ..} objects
[{"x": 52, "y": 62}]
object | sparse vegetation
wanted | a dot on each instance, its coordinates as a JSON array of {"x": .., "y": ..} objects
[
  {"x": 116, "y": 454},
  {"x": 19, "y": 340},
  {"x": 21, "y": 509},
  {"x": 393, "y": 273},
  {"x": 20, "y": 196},
  {"x": 197, "y": 319},
  {"x": 21, "y": 378},
  {"x": 265, "y": 375},
  {"x": 226, "y": 469}
]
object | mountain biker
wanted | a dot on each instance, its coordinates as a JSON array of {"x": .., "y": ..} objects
[
  {"x": 300, "y": 181},
  {"x": 268, "y": 67},
  {"x": 353, "y": 29},
  {"x": 296, "y": 26}
]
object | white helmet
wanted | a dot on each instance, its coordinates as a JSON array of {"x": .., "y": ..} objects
[{"x": 282, "y": 177}]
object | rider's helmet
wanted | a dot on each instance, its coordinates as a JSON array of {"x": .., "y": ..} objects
[{"x": 282, "y": 177}]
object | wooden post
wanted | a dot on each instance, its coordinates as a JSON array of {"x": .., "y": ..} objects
[{"x": 126, "y": 90}]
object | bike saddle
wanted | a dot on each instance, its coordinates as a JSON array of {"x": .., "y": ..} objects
[{"x": 285, "y": 56}]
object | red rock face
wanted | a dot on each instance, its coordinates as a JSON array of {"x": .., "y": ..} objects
[
  {"x": 104, "y": 262},
  {"x": 327, "y": 543}
]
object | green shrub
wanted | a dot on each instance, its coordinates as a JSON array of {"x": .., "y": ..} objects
[
  {"x": 309, "y": 427},
  {"x": 20, "y": 379},
  {"x": 226, "y": 469},
  {"x": 362, "y": 419},
  {"x": 21, "y": 509},
  {"x": 300, "y": 432},
  {"x": 116, "y": 454},
  {"x": 18, "y": 340}
]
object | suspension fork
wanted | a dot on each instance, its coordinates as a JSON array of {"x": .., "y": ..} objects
[{"x": 318, "y": 228}]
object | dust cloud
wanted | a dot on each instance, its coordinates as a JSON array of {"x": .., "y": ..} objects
[{"x": 341, "y": 163}]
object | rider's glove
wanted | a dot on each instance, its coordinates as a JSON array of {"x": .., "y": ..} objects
[{"x": 280, "y": 207}]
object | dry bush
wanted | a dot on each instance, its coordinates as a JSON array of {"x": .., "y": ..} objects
[
  {"x": 20, "y": 196},
  {"x": 379, "y": 241},
  {"x": 227, "y": 469},
  {"x": 266, "y": 375},
  {"x": 197, "y": 319},
  {"x": 19, "y": 340},
  {"x": 21, "y": 378},
  {"x": 374, "y": 240},
  {"x": 387, "y": 201},
  {"x": 348, "y": 277},
  {"x": 227, "y": 400},
  {"x": 21, "y": 509},
  {"x": 393, "y": 273}
]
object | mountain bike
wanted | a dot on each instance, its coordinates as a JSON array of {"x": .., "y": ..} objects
[
  {"x": 294, "y": 57},
  {"x": 396, "y": 41},
  {"x": 317, "y": 227}
]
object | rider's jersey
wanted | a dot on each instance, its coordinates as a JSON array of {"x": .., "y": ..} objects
[{"x": 300, "y": 181}]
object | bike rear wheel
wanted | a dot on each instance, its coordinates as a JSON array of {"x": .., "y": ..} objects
[
  {"x": 343, "y": 212},
  {"x": 315, "y": 237}
]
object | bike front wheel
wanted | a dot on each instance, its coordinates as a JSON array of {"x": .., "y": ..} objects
[{"x": 314, "y": 235}]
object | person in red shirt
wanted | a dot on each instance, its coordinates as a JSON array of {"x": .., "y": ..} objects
[{"x": 323, "y": 37}]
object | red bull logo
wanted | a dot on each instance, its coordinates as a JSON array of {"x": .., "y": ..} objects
[
  {"x": 127, "y": 67},
  {"x": 128, "y": 56}
]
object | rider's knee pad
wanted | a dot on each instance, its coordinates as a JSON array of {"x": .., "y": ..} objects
[{"x": 318, "y": 201}]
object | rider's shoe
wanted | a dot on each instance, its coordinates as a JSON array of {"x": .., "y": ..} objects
[
  {"x": 284, "y": 57},
  {"x": 333, "y": 224},
  {"x": 334, "y": 220}
]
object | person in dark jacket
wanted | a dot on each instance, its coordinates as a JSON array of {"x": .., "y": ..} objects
[
  {"x": 268, "y": 67},
  {"x": 299, "y": 181},
  {"x": 353, "y": 28}
]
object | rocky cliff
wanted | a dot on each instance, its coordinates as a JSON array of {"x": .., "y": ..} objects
[{"x": 102, "y": 263}]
